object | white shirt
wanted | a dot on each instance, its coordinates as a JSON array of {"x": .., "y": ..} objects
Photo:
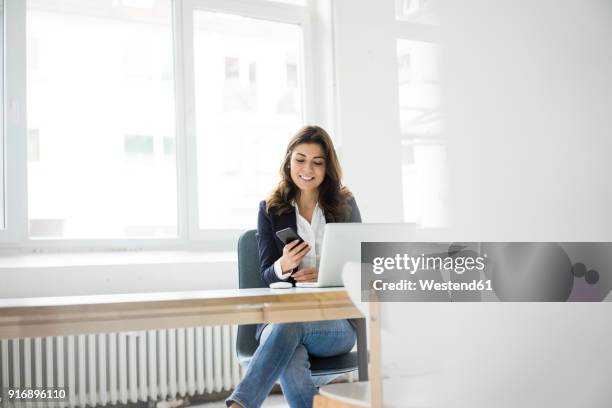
[{"x": 312, "y": 233}]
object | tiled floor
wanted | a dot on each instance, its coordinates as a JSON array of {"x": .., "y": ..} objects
[{"x": 273, "y": 401}]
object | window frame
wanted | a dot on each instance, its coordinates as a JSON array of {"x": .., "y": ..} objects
[
  {"x": 15, "y": 164},
  {"x": 189, "y": 236},
  {"x": 2, "y": 117},
  {"x": 266, "y": 10}
]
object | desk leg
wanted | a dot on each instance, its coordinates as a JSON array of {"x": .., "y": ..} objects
[{"x": 376, "y": 391}]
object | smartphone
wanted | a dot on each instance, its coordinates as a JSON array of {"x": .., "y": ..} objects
[{"x": 288, "y": 235}]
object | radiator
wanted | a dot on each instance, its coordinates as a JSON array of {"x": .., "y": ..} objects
[{"x": 112, "y": 368}]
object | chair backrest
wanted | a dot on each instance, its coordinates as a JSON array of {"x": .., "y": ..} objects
[{"x": 249, "y": 275}]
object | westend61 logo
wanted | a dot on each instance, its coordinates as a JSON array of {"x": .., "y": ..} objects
[{"x": 486, "y": 271}]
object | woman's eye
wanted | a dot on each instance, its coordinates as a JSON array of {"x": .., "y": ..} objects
[
  {"x": 300, "y": 161},
  {"x": 318, "y": 163}
]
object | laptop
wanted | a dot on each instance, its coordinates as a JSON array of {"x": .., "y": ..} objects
[{"x": 342, "y": 244}]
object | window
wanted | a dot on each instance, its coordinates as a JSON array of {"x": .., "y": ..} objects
[
  {"x": 292, "y": 75},
  {"x": 161, "y": 123},
  {"x": 296, "y": 2},
  {"x": 415, "y": 11},
  {"x": 252, "y": 73},
  {"x": 100, "y": 99},
  {"x": 423, "y": 151},
  {"x": 419, "y": 89},
  {"x": 169, "y": 147},
  {"x": 232, "y": 68},
  {"x": 253, "y": 66},
  {"x": 138, "y": 145},
  {"x": 33, "y": 146}
]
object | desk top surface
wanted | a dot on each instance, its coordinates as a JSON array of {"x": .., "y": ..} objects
[{"x": 120, "y": 298}]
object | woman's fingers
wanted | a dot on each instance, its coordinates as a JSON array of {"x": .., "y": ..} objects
[
  {"x": 306, "y": 275},
  {"x": 297, "y": 257},
  {"x": 292, "y": 244},
  {"x": 306, "y": 278},
  {"x": 299, "y": 249},
  {"x": 293, "y": 253}
]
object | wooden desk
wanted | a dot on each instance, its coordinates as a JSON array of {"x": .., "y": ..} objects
[
  {"x": 69, "y": 315},
  {"x": 77, "y": 315}
]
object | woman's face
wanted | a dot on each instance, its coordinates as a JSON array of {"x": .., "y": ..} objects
[{"x": 307, "y": 166}]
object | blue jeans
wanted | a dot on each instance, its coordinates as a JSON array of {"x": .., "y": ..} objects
[{"x": 283, "y": 354}]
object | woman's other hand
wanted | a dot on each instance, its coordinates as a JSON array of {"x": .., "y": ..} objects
[
  {"x": 310, "y": 274},
  {"x": 293, "y": 253}
]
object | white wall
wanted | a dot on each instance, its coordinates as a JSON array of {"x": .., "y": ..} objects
[{"x": 528, "y": 97}]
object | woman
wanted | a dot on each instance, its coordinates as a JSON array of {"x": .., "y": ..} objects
[{"x": 309, "y": 195}]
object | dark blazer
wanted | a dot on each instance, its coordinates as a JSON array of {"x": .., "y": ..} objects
[{"x": 271, "y": 248}]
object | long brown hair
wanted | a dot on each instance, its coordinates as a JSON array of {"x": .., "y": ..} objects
[{"x": 333, "y": 196}]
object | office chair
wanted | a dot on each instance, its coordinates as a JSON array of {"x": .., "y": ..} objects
[{"x": 246, "y": 344}]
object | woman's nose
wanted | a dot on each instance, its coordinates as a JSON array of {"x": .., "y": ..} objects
[{"x": 307, "y": 167}]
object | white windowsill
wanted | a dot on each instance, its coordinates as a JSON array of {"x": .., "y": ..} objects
[
  {"x": 71, "y": 259},
  {"x": 99, "y": 273}
]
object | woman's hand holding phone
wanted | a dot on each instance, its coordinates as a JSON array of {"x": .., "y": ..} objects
[{"x": 293, "y": 252}]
